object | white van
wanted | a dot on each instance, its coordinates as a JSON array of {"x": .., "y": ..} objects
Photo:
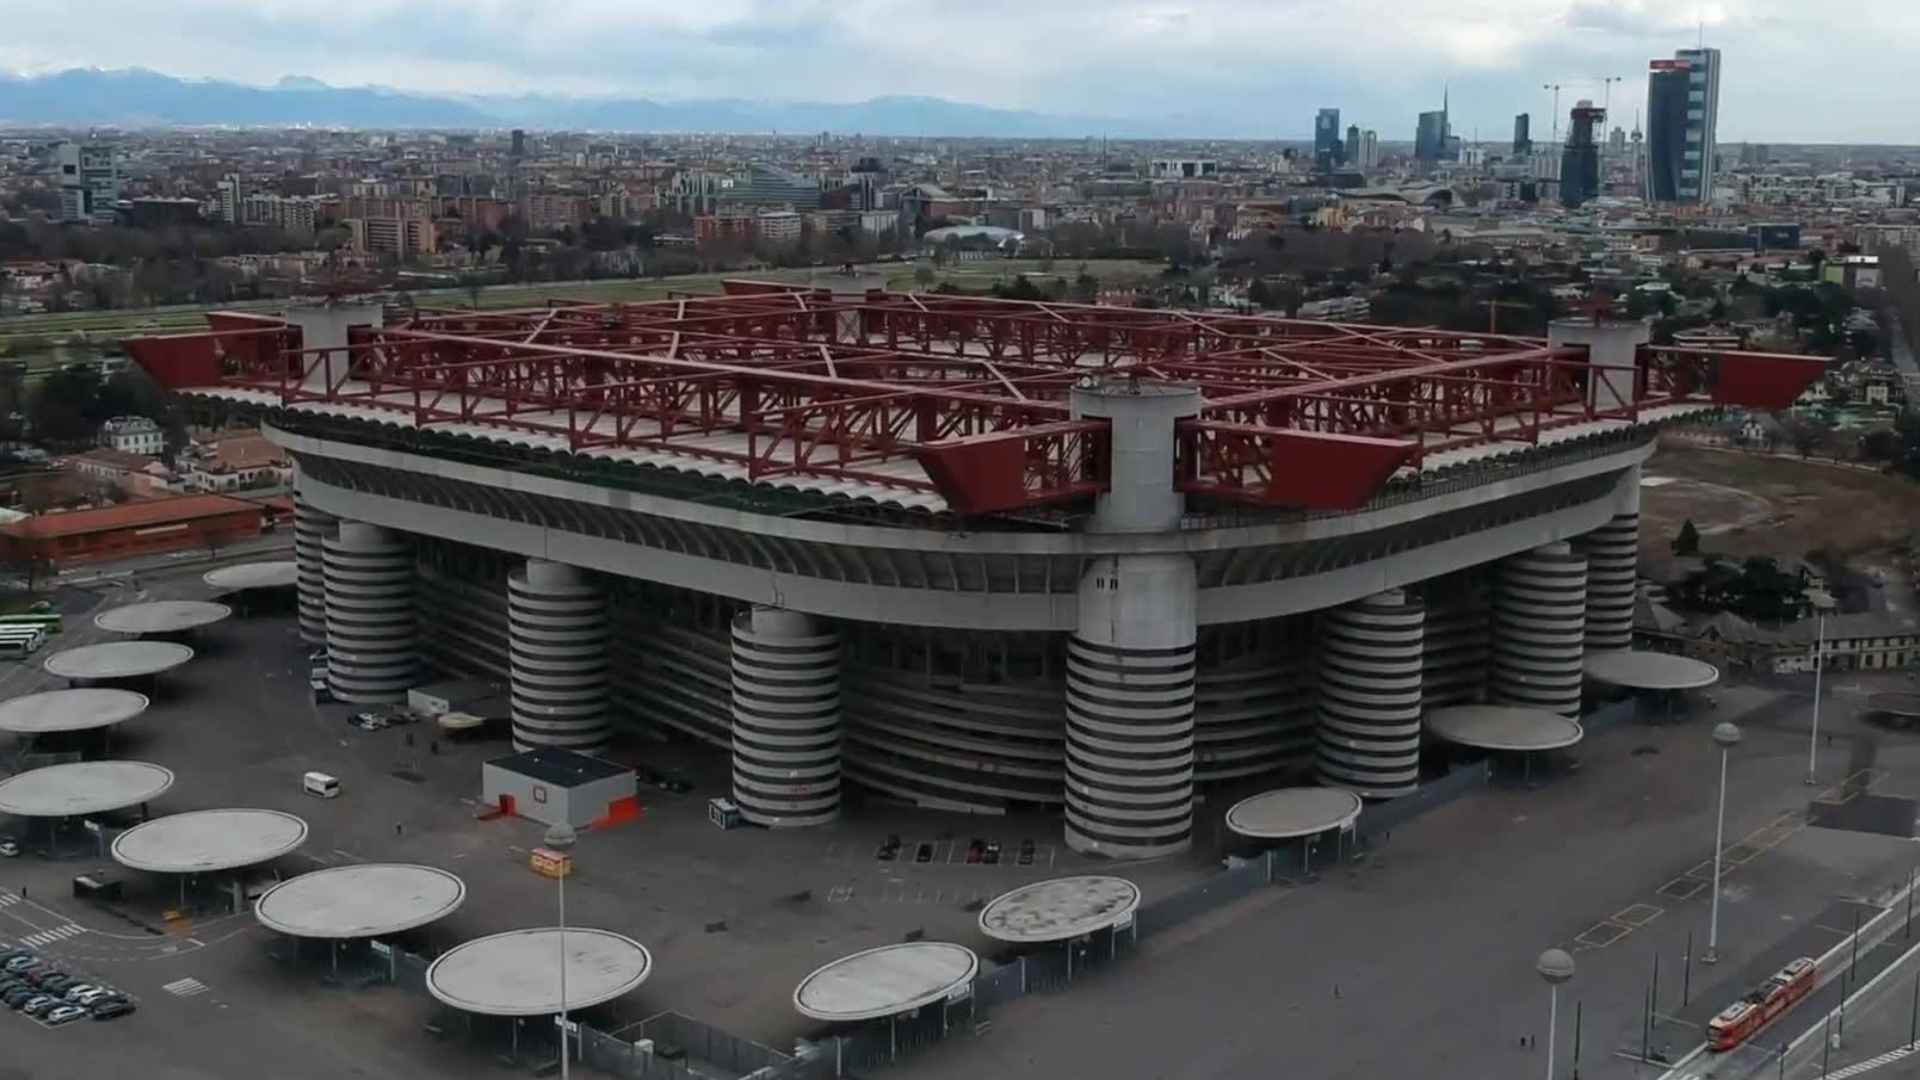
[{"x": 321, "y": 785}]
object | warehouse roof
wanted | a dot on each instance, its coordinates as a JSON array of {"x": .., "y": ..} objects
[
  {"x": 567, "y": 768},
  {"x": 128, "y": 516}
]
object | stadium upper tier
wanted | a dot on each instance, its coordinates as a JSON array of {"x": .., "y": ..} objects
[{"x": 955, "y": 404}]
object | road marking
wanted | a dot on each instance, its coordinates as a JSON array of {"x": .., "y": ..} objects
[
  {"x": 1870, "y": 1064},
  {"x": 58, "y": 933},
  {"x": 186, "y": 987},
  {"x": 7, "y": 899}
]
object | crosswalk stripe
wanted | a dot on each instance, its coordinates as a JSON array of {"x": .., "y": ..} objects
[
  {"x": 8, "y": 899},
  {"x": 1870, "y": 1064},
  {"x": 185, "y": 987}
]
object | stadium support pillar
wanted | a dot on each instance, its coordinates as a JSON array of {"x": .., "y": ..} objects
[
  {"x": 557, "y": 636},
  {"x": 786, "y": 719},
  {"x": 1613, "y": 571},
  {"x": 311, "y": 527},
  {"x": 1539, "y": 629},
  {"x": 1130, "y": 661},
  {"x": 1369, "y": 675},
  {"x": 372, "y": 654}
]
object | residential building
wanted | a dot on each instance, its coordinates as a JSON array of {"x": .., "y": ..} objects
[
  {"x": 236, "y": 460},
  {"x": 133, "y": 435},
  {"x": 776, "y": 228},
  {"x": 89, "y": 175},
  {"x": 231, "y": 196},
  {"x": 393, "y": 236},
  {"x": 1183, "y": 169}
]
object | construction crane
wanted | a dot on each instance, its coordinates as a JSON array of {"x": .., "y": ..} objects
[{"x": 1606, "y": 101}]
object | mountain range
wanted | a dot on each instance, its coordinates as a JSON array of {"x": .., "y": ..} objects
[{"x": 136, "y": 97}]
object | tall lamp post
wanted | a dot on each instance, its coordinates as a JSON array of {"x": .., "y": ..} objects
[
  {"x": 561, "y": 838},
  {"x": 1556, "y": 967},
  {"x": 1726, "y": 735},
  {"x": 1819, "y": 665}
]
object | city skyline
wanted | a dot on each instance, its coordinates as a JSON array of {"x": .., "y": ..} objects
[{"x": 1218, "y": 68}]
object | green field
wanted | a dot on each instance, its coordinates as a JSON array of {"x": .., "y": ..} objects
[{"x": 76, "y": 330}]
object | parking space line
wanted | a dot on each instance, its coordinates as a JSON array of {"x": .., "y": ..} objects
[{"x": 1638, "y": 915}]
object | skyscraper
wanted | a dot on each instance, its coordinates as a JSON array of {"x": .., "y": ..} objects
[
  {"x": 1433, "y": 140},
  {"x": 1352, "y": 153},
  {"x": 1326, "y": 140},
  {"x": 1522, "y": 135},
  {"x": 89, "y": 176},
  {"x": 1683, "y": 114},
  {"x": 1369, "y": 150},
  {"x": 1430, "y": 138},
  {"x": 1580, "y": 161}
]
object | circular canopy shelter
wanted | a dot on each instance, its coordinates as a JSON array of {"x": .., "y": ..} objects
[
  {"x": 516, "y": 974},
  {"x": 205, "y": 841},
  {"x": 52, "y": 711},
  {"x": 118, "y": 660},
  {"x": 161, "y": 617},
  {"x": 365, "y": 900},
  {"x": 82, "y": 787},
  {"x": 886, "y": 981},
  {"x": 1060, "y": 910},
  {"x": 1503, "y": 727},
  {"x": 1293, "y": 812},
  {"x": 1637, "y": 670},
  {"x": 254, "y": 575}
]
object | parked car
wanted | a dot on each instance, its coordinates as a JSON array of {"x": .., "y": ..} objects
[
  {"x": 59, "y": 985},
  {"x": 1026, "y": 852},
  {"x": 39, "y": 1004},
  {"x": 112, "y": 1007},
  {"x": 94, "y": 996},
  {"x": 73, "y": 992},
  {"x": 23, "y": 962},
  {"x": 43, "y": 975},
  {"x": 924, "y": 853},
  {"x": 992, "y": 854},
  {"x": 9, "y": 848},
  {"x": 976, "y": 848},
  {"x": 65, "y": 1014},
  {"x": 889, "y": 849},
  {"x": 14, "y": 999}
]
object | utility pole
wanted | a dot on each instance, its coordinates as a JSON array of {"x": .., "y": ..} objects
[{"x": 1493, "y": 312}]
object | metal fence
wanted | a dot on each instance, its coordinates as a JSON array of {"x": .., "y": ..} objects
[
  {"x": 1379, "y": 817},
  {"x": 1236, "y": 882}
]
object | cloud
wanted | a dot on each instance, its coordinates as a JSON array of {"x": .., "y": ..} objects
[{"x": 1270, "y": 62}]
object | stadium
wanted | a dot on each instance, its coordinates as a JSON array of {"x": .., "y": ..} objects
[{"x": 968, "y": 554}]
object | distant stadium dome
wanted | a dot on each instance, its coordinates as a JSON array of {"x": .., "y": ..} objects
[{"x": 992, "y": 233}]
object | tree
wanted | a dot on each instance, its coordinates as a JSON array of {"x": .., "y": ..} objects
[
  {"x": 923, "y": 275},
  {"x": 1257, "y": 294},
  {"x": 1688, "y": 542}
]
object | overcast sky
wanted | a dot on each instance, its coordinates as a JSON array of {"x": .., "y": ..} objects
[{"x": 1795, "y": 70}]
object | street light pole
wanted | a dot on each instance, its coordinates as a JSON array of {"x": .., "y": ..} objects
[
  {"x": 561, "y": 838},
  {"x": 1819, "y": 665},
  {"x": 1726, "y": 735},
  {"x": 1556, "y": 967}
]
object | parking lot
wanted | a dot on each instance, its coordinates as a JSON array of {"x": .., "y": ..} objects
[{"x": 734, "y": 919}]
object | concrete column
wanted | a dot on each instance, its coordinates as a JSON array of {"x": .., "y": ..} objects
[
  {"x": 371, "y": 648},
  {"x": 1130, "y": 661},
  {"x": 1130, "y": 686},
  {"x": 1613, "y": 571},
  {"x": 1371, "y": 655},
  {"x": 786, "y": 719},
  {"x": 1539, "y": 629},
  {"x": 557, "y": 646},
  {"x": 311, "y": 527},
  {"x": 1612, "y": 351}
]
